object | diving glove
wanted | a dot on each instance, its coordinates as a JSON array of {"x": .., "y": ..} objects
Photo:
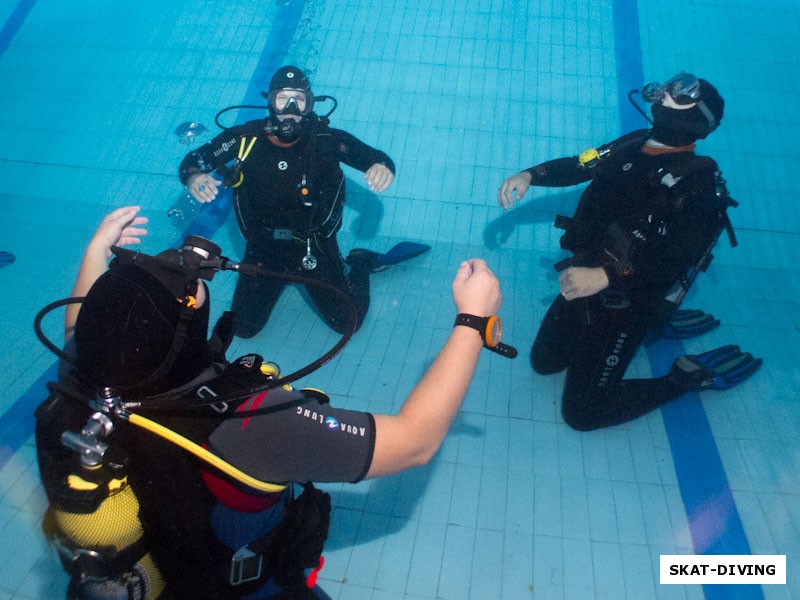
[
  {"x": 688, "y": 323},
  {"x": 717, "y": 369}
]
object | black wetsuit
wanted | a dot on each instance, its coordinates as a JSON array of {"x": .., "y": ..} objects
[
  {"x": 289, "y": 196},
  {"x": 645, "y": 236}
]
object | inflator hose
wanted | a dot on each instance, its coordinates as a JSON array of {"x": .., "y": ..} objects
[{"x": 202, "y": 453}]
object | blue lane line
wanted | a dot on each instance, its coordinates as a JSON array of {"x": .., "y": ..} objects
[
  {"x": 628, "y": 56},
  {"x": 714, "y": 521},
  {"x": 13, "y": 23},
  {"x": 17, "y": 424}
]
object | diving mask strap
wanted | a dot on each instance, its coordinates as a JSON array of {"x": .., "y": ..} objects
[{"x": 712, "y": 122}]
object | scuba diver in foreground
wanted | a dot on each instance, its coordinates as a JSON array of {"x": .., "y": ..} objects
[
  {"x": 289, "y": 195},
  {"x": 157, "y": 454},
  {"x": 643, "y": 229}
]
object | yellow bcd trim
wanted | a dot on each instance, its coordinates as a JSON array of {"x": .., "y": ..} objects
[{"x": 588, "y": 157}]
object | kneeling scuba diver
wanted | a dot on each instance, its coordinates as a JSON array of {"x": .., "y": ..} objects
[
  {"x": 644, "y": 228},
  {"x": 287, "y": 176},
  {"x": 135, "y": 405}
]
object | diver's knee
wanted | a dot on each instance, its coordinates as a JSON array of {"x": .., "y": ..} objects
[
  {"x": 543, "y": 364},
  {"x": 578, "y": 420},
  {"x": 246, "y": 330}
]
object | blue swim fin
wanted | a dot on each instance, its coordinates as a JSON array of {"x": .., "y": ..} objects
[
  {"x": 380, "y": 262},
  {"x": 6, "y": 258},
  {"x": 717, "y": 369},
  {"x": 688, "y": 323},
  {"x": 401, "y": 252}
]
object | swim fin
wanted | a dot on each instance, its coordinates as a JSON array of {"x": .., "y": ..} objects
[
  {"x": 688, "y": 323},
  {"x": 717, "y": 369},
  {"x": 6, "y": 258},
  {"x": 376, "y": 262},
  {"x": 402, "y": 251}
]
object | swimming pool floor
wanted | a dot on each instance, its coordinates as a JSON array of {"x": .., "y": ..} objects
[{"x": 461, "y": 94}]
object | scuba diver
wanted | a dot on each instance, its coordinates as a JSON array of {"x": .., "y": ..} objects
[
  {"x": 643, "y": 230},
  {"x": 289, "y": 195},
  {"x": 169, "y": 469}
]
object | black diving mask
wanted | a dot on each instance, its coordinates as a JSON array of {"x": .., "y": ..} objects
[
  {"x": 287, "y": 102},
  {"x": 684, "y": 89}
]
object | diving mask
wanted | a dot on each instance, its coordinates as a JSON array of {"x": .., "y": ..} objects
[
  {"x": 290, "y": 102},
  {"x": 684, "y": 89}
]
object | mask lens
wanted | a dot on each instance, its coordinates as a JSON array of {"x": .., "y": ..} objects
[
  {"x": 292, "y": 102},
  {"x": 653, "y": 93},
  {"x": 684, "y": 88}
]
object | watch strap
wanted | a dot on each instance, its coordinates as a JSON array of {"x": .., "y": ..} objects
[
  {"x": 503, "y": 350},
  {"x": 475, "y": 322}
]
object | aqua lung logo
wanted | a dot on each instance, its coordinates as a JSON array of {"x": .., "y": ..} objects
[
  {"x": 225, "y": 146},
  {"x": 283, "y": 165},
  {"x": 612, "y": 360},
  {"x": 331, "y": 423},
  {"x": 247, "y": 361}
]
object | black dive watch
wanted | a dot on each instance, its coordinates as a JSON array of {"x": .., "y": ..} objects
[{"x": 491, "y": 330}]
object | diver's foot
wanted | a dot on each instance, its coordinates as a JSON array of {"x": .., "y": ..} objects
[
  {"x": 366, "y": 259},
  {"x": 717, "y": 369},
  {"x": 688, "y": 323}
]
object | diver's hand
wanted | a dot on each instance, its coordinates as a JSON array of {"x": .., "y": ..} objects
[
  {"x": 203, "y": 187},
  {"x": 518, "y": 183},
  {"x": 119, "y": 228},
  {"x": 379, "y": 177},
  {"x": 580, "y": 282},
  {"x": 476, "y": 290}
]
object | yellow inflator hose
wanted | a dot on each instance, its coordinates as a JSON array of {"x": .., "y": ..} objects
[{"x": 203, "y": 454}]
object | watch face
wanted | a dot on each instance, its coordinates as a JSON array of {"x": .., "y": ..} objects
[{"x": 494, "y": 331}]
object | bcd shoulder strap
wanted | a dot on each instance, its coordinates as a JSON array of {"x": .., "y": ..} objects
[{"x": 672, "y": 177}]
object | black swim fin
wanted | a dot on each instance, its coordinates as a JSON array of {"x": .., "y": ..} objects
[
  {"x": 6, "y": 258},
  {"x": 717, "y": 369},
  {"x": 688, "y": 323}
]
